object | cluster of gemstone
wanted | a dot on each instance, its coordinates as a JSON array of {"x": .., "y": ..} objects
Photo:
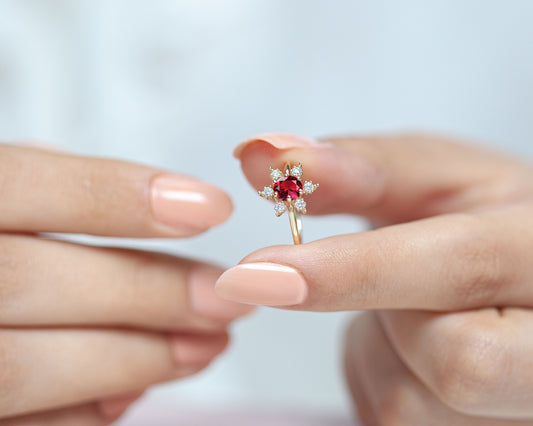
[{"x": 287, "y": 189}]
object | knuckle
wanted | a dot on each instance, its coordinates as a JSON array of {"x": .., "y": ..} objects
[
  {"x": 11, "y": 376},
  {"x": 470, "y": 372},
  {"x": 9, "y": 269},
  {"x": 477, "y": 274},
  {"x": 152, "y": 275},
  {"x": 93, "y": 188},
  {"x": 365, "y": 414},
  {"x": 396, "y": 407},
  {"x": 11, "y": 164},
  {"x": 104, "y": 190},
  {"x": 369, "y": 273}
]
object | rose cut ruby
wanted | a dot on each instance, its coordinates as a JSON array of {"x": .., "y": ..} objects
[{"x": 287, "y": 187}]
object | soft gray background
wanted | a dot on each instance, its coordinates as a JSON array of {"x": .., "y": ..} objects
[{"x": 179, "y": 83}]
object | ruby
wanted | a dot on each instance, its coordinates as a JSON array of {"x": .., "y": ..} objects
[{"x": 287, "y": 187}]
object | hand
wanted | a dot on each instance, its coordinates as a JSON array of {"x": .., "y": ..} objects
[
  {"x": 84, "y": 329},
  {"x": 449, "y": 275}
]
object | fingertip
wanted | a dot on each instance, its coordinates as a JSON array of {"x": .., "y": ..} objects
[
  {"x": 188, "y": 205},
  {"x": 350, "y": 180},
  {"x": 278, "y": 141},
  {"x": 41, "y": 145},
  {"x": 206, "y": 302},
  {"x": 190, "y": 350},
  {"x": 257, "y": 156},
  {"x": 112, "y": 408},
  {"x": 263, "y": 283},
  {"x": 226, "y": 208}
]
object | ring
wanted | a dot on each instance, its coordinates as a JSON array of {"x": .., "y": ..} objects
[{"x": 287, "y": 191}]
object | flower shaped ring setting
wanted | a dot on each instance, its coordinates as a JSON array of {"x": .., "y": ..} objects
[{"x": 287, "y": 191}]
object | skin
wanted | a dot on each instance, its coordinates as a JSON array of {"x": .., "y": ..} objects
[
  {"x": 84, "y": 330},
  {"x": 445, "y": 276}
]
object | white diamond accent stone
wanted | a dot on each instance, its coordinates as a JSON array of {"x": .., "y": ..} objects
[
  {"x": 300, "y": 204},
  {"x": 308, "y": 187},
  {"x": 296, "y": 171},
  {"x": 275, "y": 174},
  {"x": 268, "y": 191},
  {"x": 279, "y": 208}
]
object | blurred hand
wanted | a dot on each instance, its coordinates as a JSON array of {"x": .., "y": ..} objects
[
  {"x": 84, "y": 329},
  {"x": 449, "y": 276}
]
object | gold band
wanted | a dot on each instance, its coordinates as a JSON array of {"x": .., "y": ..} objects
[
  {"x": 296, "y": 225},
  {"x": 294, "y": 217}
]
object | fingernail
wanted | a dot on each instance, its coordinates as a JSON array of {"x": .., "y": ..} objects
[
  {"x": 206, "y": 302},
  {"x": 190, "y": 350},
  {"x": 185, "y": 203},
  {"x": 43, "y": 146},
  {"x": 262, "y": 284},
  {"x": 111, "y": 408},
  {"x": 277, "y": 140}
]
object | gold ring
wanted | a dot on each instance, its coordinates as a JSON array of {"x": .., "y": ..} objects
[{"x": 287, "y": 191}]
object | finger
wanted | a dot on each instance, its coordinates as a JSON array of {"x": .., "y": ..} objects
[
  {"x": 360, "y": 341},
  {"x": 44, "y": 191},
  {"x": 87, "y": 365},
  {"x": 389, "y": 179},
  {"x": 448, "y": 262},
  {"x": 477, "y": 362},
  {"x": 83, "y": 415},
  {"x": 106, "y": 286},
  {"x": 93, "y": 414},
  {"x": 385, "y": 390}
]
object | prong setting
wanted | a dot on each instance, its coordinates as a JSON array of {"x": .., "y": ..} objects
[
  {"x": 267, "y": 192},
  {"x": 287, "y": 189},
  {"x": 275, "y": 174},
  {"x": 280, "y": 208},
  {"x": 297, "y": 171},
  {"x": 299, "y": 205},
  {"x": 309, "y": 187}
]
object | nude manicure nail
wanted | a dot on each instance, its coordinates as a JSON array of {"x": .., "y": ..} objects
[
  {"x": 187, "y": 204},
  {"x": 262, "y": 284},
  {"x": 277, "y": 140},
  {"x": 44, "y": 146},
  {"x": 113, "y": 407},
  {"x": 195, "y": 350},
  {"x": 206, "y": 302}
]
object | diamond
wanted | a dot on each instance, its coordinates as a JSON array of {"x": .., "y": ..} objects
[
  {"x": 275, "y": 174},
  {"x": 308, "y": 187},
  {"x": 279, "y": 208},
  {"x": 300, "y": 204},
  {"x": 268, "y": 191},
  {"x": 296, "y": 171},
  {"x": 287, "y": 187}
]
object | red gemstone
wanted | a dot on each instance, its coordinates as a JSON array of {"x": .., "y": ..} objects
[{"x": 287, "y": 187}]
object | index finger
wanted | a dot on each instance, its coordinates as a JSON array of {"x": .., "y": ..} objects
[
  {"x": 43, "y": 191},
  {"x": 389, "y": 179}
]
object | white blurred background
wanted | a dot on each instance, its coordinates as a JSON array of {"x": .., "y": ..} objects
[{"x": 178, "y": 83}]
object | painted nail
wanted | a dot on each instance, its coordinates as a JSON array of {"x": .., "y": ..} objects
[
  {"x": 111, "y": 408},
  {"x": 187, "y": 204},
  {"x": 262, "y": 284},
  {"x": 206, "y": 302},
  {"x": 43, "y": 146},
  {"x": 277, "y": 140},
  {"x": 190, "y": 350}
]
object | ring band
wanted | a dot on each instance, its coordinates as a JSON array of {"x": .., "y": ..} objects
[
  {"x": 287, "y": 191},
  {"x": 296, "y": 225}
]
